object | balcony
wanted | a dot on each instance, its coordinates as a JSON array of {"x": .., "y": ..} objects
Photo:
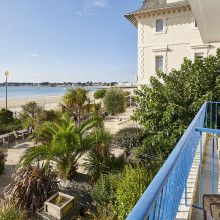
[{"x": 191, "y": 170}]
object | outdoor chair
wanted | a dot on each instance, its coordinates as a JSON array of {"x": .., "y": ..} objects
[
  {"x": 17, "y": 136},
  {"x": 30, "y": 130},
  {"x": 211, "y": 204},
  {"x": 26, "y": 133}
]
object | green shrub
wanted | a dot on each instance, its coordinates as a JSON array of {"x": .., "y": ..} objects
[
  {"x": 99, "y": 94},
  {"x": 6, "y": 116},
  {"x": 122, "y": 190},
  {"x": 129, "y": 189},
  {"x": 30, "y": 110},
  {"x": 105, "y": 189},
  {"x": 97, "y": 108},
  {"x": 3, "y": 155},
  {"x": 128, "y": 137},
  {"x": 102, "y": 213},
  {"x": 127, "y": 93},
  {"x": 114, "y": 101},
  {"x": 46, "y": 115},
  {"x": 14, "y": 126},
  {"x": 10, "y": 211},
  {"x": 7, "y": 122}
]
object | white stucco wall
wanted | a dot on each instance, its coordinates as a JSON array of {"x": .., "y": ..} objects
[{"x": 180, "y": 39}]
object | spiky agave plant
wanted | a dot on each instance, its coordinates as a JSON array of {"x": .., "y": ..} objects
[{"x": 31, "y": 188}]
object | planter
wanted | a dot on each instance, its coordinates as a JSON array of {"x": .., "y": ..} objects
[{"x": 59, "y": 205}]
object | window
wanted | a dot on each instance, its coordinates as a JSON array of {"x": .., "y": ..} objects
[
  {"x": 159, "y": 63},
  {"x": 199, "y": 55},
  {"x": 159, "y": 25}
]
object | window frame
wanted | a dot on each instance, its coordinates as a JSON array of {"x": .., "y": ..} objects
[
  {"x": 157, "y": 29},
  {"x": 154, "y": 24},
  {"x": 156, "y": 63},
  {"x": 199, "y": 55}
]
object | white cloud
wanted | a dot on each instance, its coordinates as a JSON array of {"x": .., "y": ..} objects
[
  {"x": 90, "y": 5},
  {"x": 79, "y": 13},
  {"x": 101, "y": 3},
  {"x": 32, "y": 54}
]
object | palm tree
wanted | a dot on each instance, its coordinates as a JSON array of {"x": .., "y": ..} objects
[
  {"x": 76, "y": 100},
  {"x": 61, "y": 142},
  {"x": 100, "y": 160}
]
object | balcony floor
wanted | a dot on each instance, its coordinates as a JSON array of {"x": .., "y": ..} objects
[{"x": 197, "y": 214}]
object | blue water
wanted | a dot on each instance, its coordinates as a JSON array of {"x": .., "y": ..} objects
[{"x": 15, "y": 92}]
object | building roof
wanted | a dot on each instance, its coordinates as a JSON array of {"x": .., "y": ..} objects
[{"x": 153, "y": 5}]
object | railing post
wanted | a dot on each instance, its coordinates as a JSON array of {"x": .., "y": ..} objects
[
  {"x": 200, "y": 171},
  {"x": 210, "y": 115},
  {"x": 213, "y": 148},
  {"x": 216, "y": 114},
  {"x": 206, "y": 113}
]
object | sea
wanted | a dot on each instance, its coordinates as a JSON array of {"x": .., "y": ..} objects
[{"x": 16, "y": 92}]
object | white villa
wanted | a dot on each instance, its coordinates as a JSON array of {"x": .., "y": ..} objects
[{"x": 167, "y": 32}]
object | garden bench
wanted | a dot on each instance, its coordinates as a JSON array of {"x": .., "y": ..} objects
[
  {"x": 211, "y": 204},
  {"x": 7, "y": 139},
  {"x": 22, "y": 133},
  {"x": 10, "y": 140}
]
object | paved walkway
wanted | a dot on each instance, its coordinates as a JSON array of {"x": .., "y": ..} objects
[
  {"x": 14, "y": 154},
  {"x": 115, "y": 123},
  {"x": 207, "y": 177}
]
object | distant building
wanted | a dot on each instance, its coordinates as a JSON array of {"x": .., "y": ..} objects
[{"x": 167, "y": 32}]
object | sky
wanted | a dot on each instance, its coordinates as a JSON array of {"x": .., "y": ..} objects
[{"x": 68, "y": 40}]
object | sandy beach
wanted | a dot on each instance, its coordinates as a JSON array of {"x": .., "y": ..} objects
[{"x": 49, "y": 102}]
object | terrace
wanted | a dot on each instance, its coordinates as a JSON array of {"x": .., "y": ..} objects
[{"x": 191, "y": 171}]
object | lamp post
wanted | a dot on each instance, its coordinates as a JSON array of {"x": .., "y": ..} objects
[{"x": 6, "y": 85}]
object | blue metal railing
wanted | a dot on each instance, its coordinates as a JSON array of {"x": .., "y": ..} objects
[{"x": 162, "y": 197}]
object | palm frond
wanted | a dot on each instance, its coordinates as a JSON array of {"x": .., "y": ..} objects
[
  {"x": 32, "y": 154},
  {"x": 50, "y": 127},
  {"x": 87, "y": 124}
]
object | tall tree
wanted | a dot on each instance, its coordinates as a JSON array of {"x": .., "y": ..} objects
[{"x": 167, "y": 106}]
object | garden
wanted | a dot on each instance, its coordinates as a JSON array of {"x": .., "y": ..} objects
[
  {"x": 108, "y": 186},
  {"x": 51, "y": 166}
]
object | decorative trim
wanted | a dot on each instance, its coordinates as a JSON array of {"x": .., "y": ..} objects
[
  {"x": 199, "y": 46},
  {"x": 160, "y": 49},
  {"x": 142, "y": 54},
  {"x": 173, "y": 43},
  {"x": 164, "y": 11}
]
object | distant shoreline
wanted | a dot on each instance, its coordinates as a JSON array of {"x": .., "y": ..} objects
[{"x": 48, "y": 101}]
